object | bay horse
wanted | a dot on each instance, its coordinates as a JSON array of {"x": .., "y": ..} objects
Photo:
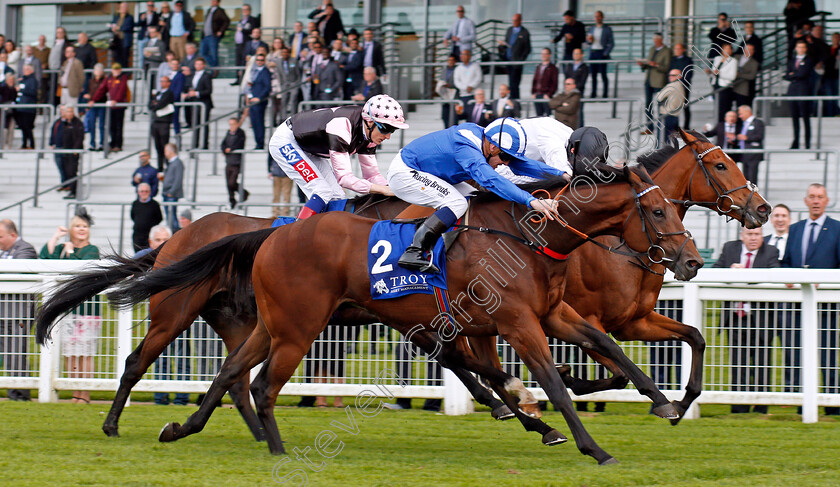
[{"x": 328, "y": 254}]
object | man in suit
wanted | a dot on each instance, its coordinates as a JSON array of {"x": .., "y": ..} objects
[
  {"x": 544, "y": 84},
  {"x": 289, "y": 73},
  {"x": 750, "y": 136},
  {"x": 199, "y": 87},
  {"x": 328, "y": 77},
  {"x": 259, "y": 89},
  {"x": 328, "y": 22},
  {"x": 600, "y": 39},
  {"x": 173, "y": 184},
  {"x": 216, "y": 23},
  {"x": 254, "y": 43},
  {"x": 577, "y": 70},
  {"x": 683, "y": 62},
  {"x": 780, "y": 218},
  {"x": 85, "y": 52},
  {"x": 180, "y": 26},
  {"x": 749, "y": 324},
  {"x": 726, "y": 132},
  {"x": 573, "y": 33},
  {"x": 720, "y": 34},
  {"x": 477, "y": 111},
  {"x": 353, "y": 69},
  {"x": 153, "y": 54},
  {"x": 504, "y": 106},
  {"x": 744, "y": 85},
  {"x": 145, "y": 20},
  {"x": 161, "y": 109},
  {"x": 373, "y": 55},
  {"x": 815, "y": 244},
  {"x": 566, "y": 104},
  {"x": 371, "y": 86},
  {"x": 516, "y": 47},
  {"x": 244, "y": 28},
  {"x": 297, "y": 40},
  {"x": 751, "y": 39},
  {"x": 190, "y": 55},
  {"x": 656, "y": 75},
  {"x": 30, "y": 58},
  {"x": 799, "y": 70},
  {"x": 462, "y": 33},
  {"x": 16, "y": 312},
  {"x": 71, "y": 78}
]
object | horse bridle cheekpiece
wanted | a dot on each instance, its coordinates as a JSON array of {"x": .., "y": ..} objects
[
  {"x": 720, "y": 204},
  {"x": 654, "y": 247}
]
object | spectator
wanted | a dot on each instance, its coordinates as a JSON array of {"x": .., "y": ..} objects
[
  {"x": 145, "y": 174},
  {"x": 149, "y": 18},
  {"x": 338, "y": 53},
  {"x": 57, "y": 141},
  {"x": 177, "y": 84},
  {"x": 310, "y": 60},
  {"x": 74, "y": 138},
  {"x": 8, "y": 95},
  {"x": 744, "y": 85},
  {"x": 815, "y": 244},
  {"x": 683, "y": 62},
  {"x": 721, "y": 34},
  {"x": 353, "y": 69},
  {"x": 820, "y": 51},
  {"x": 750, "y": 340},
  {"x": 234, "y": 140},
  {"x": 656, "y": 67},
  {"x": 289, "y": 73},
  {"x": 671, "y": 100},
  {"x": 467, "y": 76},
  {"x": 16, "y": 312},
  {"x": 71, "y": 78},
  {"x": 516, "y": 47},
  {"x": 477, "y": 111},
  {"x": 185, "y": 218},
  {"x": 799, "y": 69},
  {"x": 780, "y": 218},
  {"x": 116, "y": 87},
  {"x": 173, "y": 184},
  {"x": 25, "y": 117},
  {"x": 281, "y": 189},
  {"x": 249, "y": 68},
  {"x": 370, "y": 87},
  {"x": 85, "y": 52},
  {"x": 42, "y": 52},
  {"x": 164, "y": 18},
  {"x": 162, "y": 108},
  {"x": 832, "y": 77},
  {"x": 566, "y": 104},
  {"x": 259, "y": 90},
  {"x": 180, "y": 27},
  {"x": 254, "y": 43},
  {"x": 573, "y": 33},
  {"x": 145, "y": 213},
  {"x": 577, "y": 70},
  {"x": 751, "y": 39},
  {"x": 216, "y": 22},
  {"x": 461, "y": 34},
  {"x": 190, "y": 57},
  {"x": 242, "y": 37},
  {"x": 504, "y": 106},
  {"x": 601, "y": 43},
  {"x": 796, "y": 12},
  {"x": 166, "y": 70},
  {"x": 544, "y": 84},
  {"x": 29, "y": 57},
  {"x": 13, "y": 52},
  {"x": 373, "y": 53},
  {"x": 154, "y": 53},
  {"x": 751, "y": 136},
  {"x": 328, "y": 21},
  {"x": 297, "y": 40},
  {"x": 56, "y": 54},
  {"x": 725, "y": 132},
  {"x": 725, "y": 70},
  {"x": 5, "y": 66},
  {"x": 445, "y": 87},
  {"x": 80, "y": 330},
  {"x": 123, "y": 29},
  {"x": 199, "y": 87},
  {"x": 328, "y": 78},
  {"x": 157, "y": 236}
]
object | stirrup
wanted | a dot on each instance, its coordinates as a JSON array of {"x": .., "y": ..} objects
[{"x": 419, "y": 265}]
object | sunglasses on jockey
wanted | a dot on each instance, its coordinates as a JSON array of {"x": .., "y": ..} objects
[{"x": 383, "y": 128}]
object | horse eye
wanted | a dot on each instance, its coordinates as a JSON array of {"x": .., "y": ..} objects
[
  {"x": 720, "y": 166},
  {"x": 658, "y": 213}
]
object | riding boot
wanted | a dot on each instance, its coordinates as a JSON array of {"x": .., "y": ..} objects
[
  {"x": 425, "y": 238},
  {"x": 314, "y": 206}
]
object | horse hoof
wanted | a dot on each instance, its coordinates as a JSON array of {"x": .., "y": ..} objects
[
  {"x": 667, "y": 411},
  {"x": 608, "y": 461},
  {"x": 167, "y": 434},
  {"x": 260, "y": 436},
  {"x": 111, "y": 431},
  {"x": 554, "y": 437},
  {"x": 532, "y": 410},
  {"x": 502, "y": 413},
  {"x": 680, "y": 411}
]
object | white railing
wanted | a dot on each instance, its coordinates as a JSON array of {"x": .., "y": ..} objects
[{"x": 780, "y": 346}]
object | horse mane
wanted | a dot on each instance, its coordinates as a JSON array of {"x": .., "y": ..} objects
[{"x": 654, "y": 160}]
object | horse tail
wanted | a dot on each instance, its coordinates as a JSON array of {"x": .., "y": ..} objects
[
  {"x": 69, "y": 294},
  {"x": 232, "y": 255}
]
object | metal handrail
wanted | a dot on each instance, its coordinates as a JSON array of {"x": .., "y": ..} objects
[
  {"x": 767, "y": 114},
  {"x": 48, "y": 110}
]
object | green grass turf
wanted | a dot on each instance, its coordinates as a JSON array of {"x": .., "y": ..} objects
[{"x": 62, "y": 444}]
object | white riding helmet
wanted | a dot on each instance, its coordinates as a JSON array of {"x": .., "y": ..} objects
[{"x": 382, "y": 109}]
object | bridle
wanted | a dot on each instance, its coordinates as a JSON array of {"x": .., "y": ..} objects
[{"x": 720, "y": 203}]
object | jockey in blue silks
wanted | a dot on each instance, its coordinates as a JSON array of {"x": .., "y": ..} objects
[{"x": 432, "y": 170}]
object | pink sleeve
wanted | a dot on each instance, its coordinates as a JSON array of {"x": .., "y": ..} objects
[
  {"x": 344, "y": 173},
  {"x": 370, "y": 169}
]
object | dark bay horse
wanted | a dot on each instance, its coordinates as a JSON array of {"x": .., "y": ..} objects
[{"x": 328, "y": 254}]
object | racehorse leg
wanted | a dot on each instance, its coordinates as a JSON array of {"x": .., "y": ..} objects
[
  {"x": 485, "y": 348},
  {"x": 655, "y": 327},
  {"x": 567, "y": 325},
  {"x": 236, "y": 366},
  {"x": 582, "y": 387},
  {"x": 529, "y": 342}
]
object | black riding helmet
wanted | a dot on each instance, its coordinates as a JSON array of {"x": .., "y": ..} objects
[{"x": 590, "y": 144}]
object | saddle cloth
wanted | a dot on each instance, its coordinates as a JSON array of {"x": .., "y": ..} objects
[
  {"x": 386, "y": 243},
  {"x": 335, "y": 205}
]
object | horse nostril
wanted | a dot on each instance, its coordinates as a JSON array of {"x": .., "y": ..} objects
[
  {"x": 763, "y": 209},
  {"x": 693, "y": 264}
]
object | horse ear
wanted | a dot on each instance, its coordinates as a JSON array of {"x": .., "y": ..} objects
[{"x": 687, "y": 137}]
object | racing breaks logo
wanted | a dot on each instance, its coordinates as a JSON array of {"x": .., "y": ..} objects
[
  {"x": 430, "y": 183},
  {"x": 381, "y": 287},
  {"x": 299, "y": 163}
]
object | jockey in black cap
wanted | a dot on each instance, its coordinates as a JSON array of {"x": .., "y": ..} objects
[{"x": 587, "y": 146}]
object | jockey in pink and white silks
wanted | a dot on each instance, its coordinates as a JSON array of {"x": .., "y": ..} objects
[{"x": 314, "y": 147}]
